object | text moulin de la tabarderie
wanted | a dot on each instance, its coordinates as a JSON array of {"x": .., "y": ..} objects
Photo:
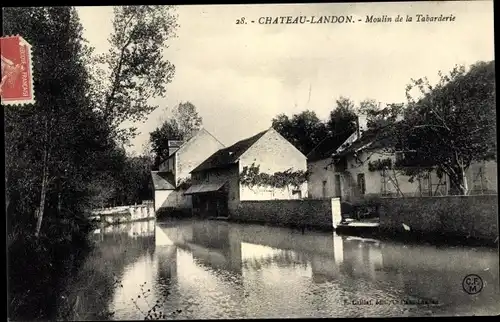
[{"x": 269, "y": 20}]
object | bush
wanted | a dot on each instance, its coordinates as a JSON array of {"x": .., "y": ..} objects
[{"x": 38, "y": 266}]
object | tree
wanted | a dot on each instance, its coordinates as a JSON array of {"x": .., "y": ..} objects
[
  {"x": 136, "y": 68},
  {"x": 342, "y": 120},
  {"x": 182, "y": 126},
  {"x": 103, "y": 190},
  {"x": 188, "y": 120},
  {"x": 449, "y": 126},
  {"x": 50, "y": 135},
  {"x": 304, "y": 130},
  {"x": 133, "y": 181},
  {"x": 53, "y": 149}
]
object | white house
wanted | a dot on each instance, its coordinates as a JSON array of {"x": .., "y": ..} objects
[
  {"x": 173, "y": 177},
  {"x": 350, "y": 171},
  {"x": 216, "y": 186}
]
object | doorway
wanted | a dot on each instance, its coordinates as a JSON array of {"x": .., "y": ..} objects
[
  {"x": 338, "y": 190},
  {"x": 361, "y": 183}
]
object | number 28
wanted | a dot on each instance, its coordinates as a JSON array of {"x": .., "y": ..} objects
[{"x": 240, "y": 21}]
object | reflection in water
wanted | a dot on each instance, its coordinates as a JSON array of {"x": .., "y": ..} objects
[
  {"x": 90, "y": 294},
  {"x": 211, "y": 269}
]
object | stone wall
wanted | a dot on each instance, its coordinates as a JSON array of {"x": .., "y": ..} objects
[
  {"x": 453, "y": 216},
  {"x": 308, "y": 212}
]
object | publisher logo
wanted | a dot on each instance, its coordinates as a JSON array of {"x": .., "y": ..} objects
[{"x": 472, "y": 284}]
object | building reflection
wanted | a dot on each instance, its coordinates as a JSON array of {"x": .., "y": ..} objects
[
  {"x": 116, "y": 259},
  {"x": 360, "y": 257},
  {"x": 234, "y": 247},
  {"x": 210, "y": 244},
  {"x": 259, "y": 255},
  {"x": 166, "y": 257},
  {"x": 215, "y": 246},
  {"x": 255, "y": 257},
  {"x": 212, "y": 269}
]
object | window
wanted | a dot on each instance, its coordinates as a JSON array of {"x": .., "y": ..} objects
[
  {"x": 384, "y": 186},
  {"x": 297, "y": 194},
  {"x": 170, "y": 164},
  {"x": 324, "y": 189},
  {"x": 399, "y": 156},
  {"x": 361, "y": 183},
  {"x": 425, "y": 186},
  {"x": 478, "y": 180}
]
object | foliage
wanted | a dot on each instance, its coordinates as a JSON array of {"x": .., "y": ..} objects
[
  {"x": 342, "y": 119},
  {"x": 251, "y": 176},
  {"x": 134, "y": 70},
  {"x": 60, "y": 157},
  {"x": 50, "y": 145},
  {"x": 182, "y": 126},
  {"x": 51, "y": 151},
  {"x": 304, "y": 130},
  {"x": 449, "y": 126},
  {"x": 184, "y": 184},
  {"x": 380, "y": 164},
  {"x": 188, "y": 120},
  {"x": 378, "y": 117},
  {"x": 134, "y": 181}
]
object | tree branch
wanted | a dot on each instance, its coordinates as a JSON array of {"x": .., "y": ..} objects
[{"x": 118, "y": 70}]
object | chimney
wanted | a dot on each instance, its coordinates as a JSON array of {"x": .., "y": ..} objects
[
  {"x": 173, "y": 145},
  {"x": 361, "y": 124}
]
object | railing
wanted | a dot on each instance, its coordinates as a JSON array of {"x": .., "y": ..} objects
[{"x": 135, "y": 212}]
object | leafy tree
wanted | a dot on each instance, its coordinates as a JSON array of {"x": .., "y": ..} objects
[
  {"x": 304, "y": 130},
  {"x": 188, "y": 120},
  {"x": 52, "y": 135},
  {"x": 51, "y": 151},
  {"x": 102, "y": 190},
  {"x": 182, "y": 126},
  {"x": 342, "y": 120},
  {"x": 134, "y": 181},
  {"x": 448, "y": 126},
  {"x": 136, "y": 70}
]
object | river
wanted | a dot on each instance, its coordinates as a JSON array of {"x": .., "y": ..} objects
[{"x": 196, "y": 269}]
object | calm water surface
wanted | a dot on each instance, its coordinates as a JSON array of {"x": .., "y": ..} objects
[{"x": 211, "y": 269}]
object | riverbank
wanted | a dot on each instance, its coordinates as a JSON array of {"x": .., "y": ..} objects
[
  {"x": 37, "y": 267},
  {"x": 374, "y": 231},
  {"x": 416, "y": 237}
]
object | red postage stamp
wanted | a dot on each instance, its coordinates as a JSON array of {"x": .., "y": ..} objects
[{"x": 16, "y": 86}]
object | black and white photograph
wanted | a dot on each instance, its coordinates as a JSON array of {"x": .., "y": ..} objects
[{"x": 250, "y": 161}]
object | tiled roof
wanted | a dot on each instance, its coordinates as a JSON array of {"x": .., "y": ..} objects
[
  {"x": 324, "y": 149},
  {"x": 227, "y": 156},
  {"x": 163, "y": 180},
  {"x": 204, "y": 188},
  {"x": 354, "y": 144}
]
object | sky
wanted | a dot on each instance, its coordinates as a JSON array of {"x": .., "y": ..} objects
[{"x": 240, "y": 76}]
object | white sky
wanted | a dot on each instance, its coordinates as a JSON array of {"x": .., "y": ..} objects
[{"x": 240, "y": 76}]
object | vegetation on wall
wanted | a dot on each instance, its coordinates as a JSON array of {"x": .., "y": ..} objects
[
  {"x": 251, "y": 177},
  {"x": 184, "y": 183},
  {"x": 380, "y": 165}
]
